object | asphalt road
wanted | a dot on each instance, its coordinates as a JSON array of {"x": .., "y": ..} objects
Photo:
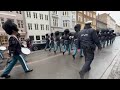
[{"x": 47, "y": 65}]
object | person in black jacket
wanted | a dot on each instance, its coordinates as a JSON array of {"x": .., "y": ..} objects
[
  {"x": 87, "y": 40},
  {"x": 14, "y": 48}
]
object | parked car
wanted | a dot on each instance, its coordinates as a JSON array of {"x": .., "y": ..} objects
[{"x": 38, "y": 45}]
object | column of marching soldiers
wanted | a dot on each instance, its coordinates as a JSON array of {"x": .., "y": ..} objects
[{"x": 67, "y": 41}]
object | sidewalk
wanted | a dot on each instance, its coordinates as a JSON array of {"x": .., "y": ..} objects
[{"x": 115, "y": 71}]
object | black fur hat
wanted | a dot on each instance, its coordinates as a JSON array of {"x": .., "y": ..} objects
[
  {"x": 46, "y": 34},
  {"x": 57, "y": 33},
  {"x": 77, "y": 27},
  {"x": 66, "y": 31},
  {"x": 97, "y": 31},
  {"x": 9, "y": 27},
  {"x": 51, "y": 34}
]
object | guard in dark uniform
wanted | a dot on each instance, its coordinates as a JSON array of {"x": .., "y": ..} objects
[
  {"x": 77, "y": 29},
  {"x": 14, "y": 47},
  {"x": 103, "y": 38},
  {"x": 67, "y": 41},
  {"x": 52, "y": 45},
  {"x": 114, "y": 35},
  {"x": 87, "y": 40},
  {"x": 62, "y": 41},
  {"x": 57, "y": 41},
  {"x": 47, "y": 42},
  {"x": 107, "y": 36}
]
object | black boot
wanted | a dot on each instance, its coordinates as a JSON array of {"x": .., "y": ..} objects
[
  {"x": 63, "y": 53},
  {"x": 55, "y": 52},
  {"x": 81, "y": 74},
  {"x": 73, "y": 57},
  {"x": 29, "y": 71},
  {"x": 5, "y": 76}
]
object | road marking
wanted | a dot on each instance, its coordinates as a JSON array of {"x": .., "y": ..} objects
[{"x": 37, "y": 61}]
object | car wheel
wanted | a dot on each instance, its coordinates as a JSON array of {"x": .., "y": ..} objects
[{"x": 35, "y": 48}]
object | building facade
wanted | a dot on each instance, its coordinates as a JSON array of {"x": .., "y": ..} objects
[
  {"x": 61, "y": 20},
  {"x": 101, "y": 25},
  {"x": 37, "y": 24},
  {"x": 106, "y": 18},
  {"x": 117, "y": 30},
  {"x": 16, "y": 17},
  {"x": 83, "y": 16}
]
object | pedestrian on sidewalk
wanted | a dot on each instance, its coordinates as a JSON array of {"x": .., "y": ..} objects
[
  {"x": 87, "y": 40},
  {"x": 15, "y": 48}
]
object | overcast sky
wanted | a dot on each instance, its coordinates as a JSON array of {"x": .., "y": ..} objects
[{"x": 114, "y": 14}]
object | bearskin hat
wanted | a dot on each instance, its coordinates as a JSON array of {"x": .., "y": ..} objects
[
  {"x": 77, "y": 27},
  {"x": 46, "y": 34},
  {"x": 51, "y": 34},
  {"x": 9, "y": 27},
  {"x": 66, "y": 31},
  {"x": 57, "y": 33}
]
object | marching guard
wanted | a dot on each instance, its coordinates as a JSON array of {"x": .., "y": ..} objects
[{"x": 14, "y": 47}]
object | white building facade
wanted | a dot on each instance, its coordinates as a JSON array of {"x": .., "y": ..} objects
[
  {"x": 37, "y": 24},
  {"x": 61, "y": 20}
]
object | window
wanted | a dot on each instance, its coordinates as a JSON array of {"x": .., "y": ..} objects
[
  {"x": 66, "y": 23},
  {"x": 67, "y": 13},
  {"x": 41, "y": 16},
  {"x": 43, "y": 37},
  {"x": 54, "y": 12},
  {"x": 55, "y": 22},
  {"x": 46, "y": 17},
  {"x": 37, "y": 37},
  {"x": 36, "y": 26},
  {"x": 42, "y": 26},
  {"x": 18, "y": 22},
  {"x": 2, "y": 21},
  {"x": 47, "y": 27},
  {"x": 35, "y": 15},
  {"x": 20, "y": 12},
  {"x": 30, "y": 26},
  {"x": 28, "y": 14},
  {"x": 31, "y": 37},
  {"x": 22, "y": 24}
]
